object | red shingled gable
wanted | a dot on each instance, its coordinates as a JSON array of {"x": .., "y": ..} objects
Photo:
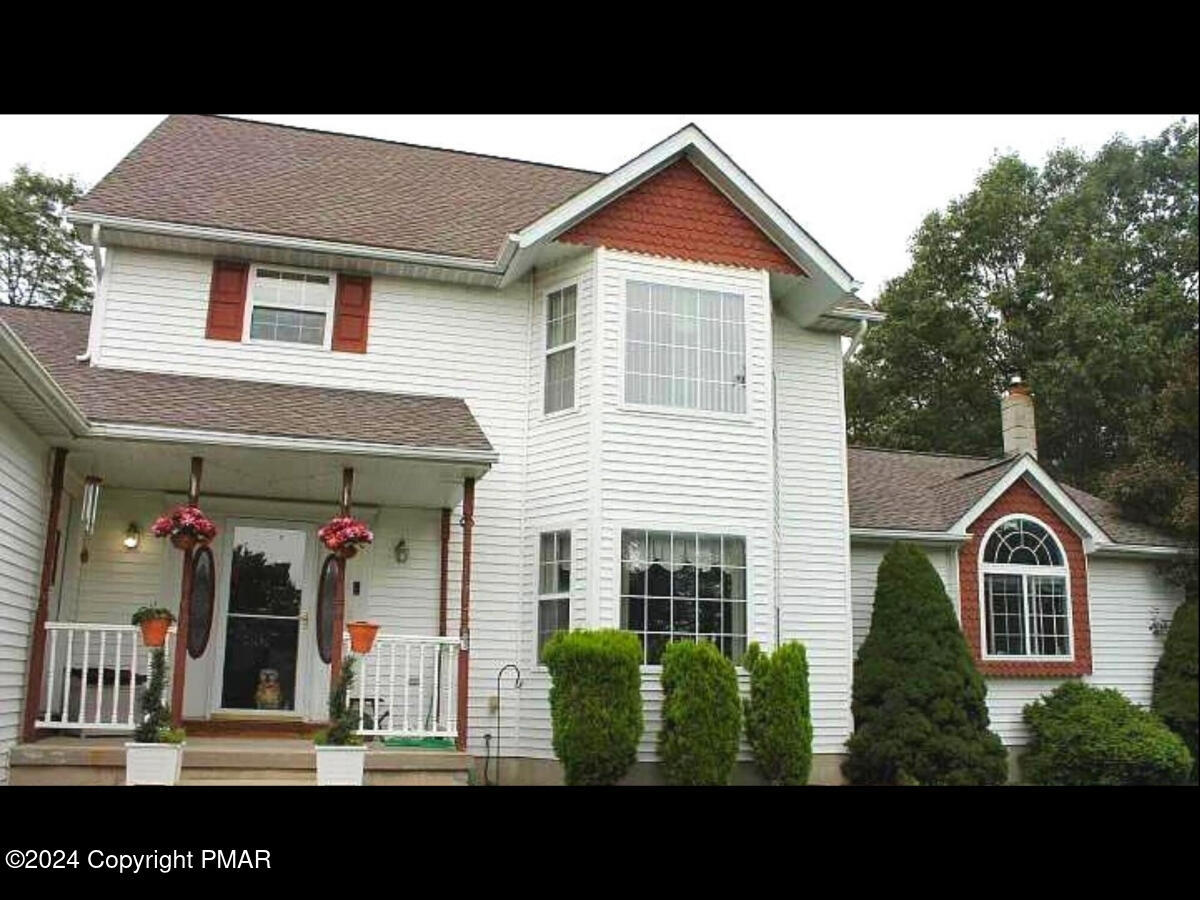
[
  {"x": 1021, "y": 498},
  {"x": 679, "y": 213}
]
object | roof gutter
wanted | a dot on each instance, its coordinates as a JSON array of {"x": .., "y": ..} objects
[
  {"x": 857, "y": 340},
  {"x": 34, "y": 376},
  {"x": 903, "y": 534},
  {"x": 1139, "y": 551},
  {"x": 254, "y": 238}
]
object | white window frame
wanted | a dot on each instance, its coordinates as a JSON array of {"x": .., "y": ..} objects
[
  {"x": 326, "y": 343},
  {"x": 556, "y": 596},
  {"x": 1025, "y": 571},
  {"x": 548, "y": 351},
  {"x": 695, "y": 412},
  {"x": 708, "y": 529}
]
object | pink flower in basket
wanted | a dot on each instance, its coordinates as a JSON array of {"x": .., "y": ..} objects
[
  {"x": 185, "y": 521},
  {"x": 345, "y": 534}
]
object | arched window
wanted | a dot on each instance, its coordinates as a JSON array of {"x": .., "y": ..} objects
[{"x": 1027, "y": 604}]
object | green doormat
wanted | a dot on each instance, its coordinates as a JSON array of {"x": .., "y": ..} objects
[{"x": 427, "y": 743}]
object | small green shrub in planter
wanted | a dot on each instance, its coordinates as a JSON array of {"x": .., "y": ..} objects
[
  {"x": 595, "y": 702},
  {"x": 1084, "y": 735},
  {"x": 920, "y": 715},
  {"x": 701, "y": 715},
  {"x": 1177, "y": 679},
  {"x": 778, "y": 720}
]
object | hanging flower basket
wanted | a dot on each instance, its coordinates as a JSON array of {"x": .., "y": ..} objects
[
  {"x": 343, "y": 535},
  {"x": 186, "y": 526},
  {"x": 154, "y": 623},
  {"x": 362, "y": 635}
]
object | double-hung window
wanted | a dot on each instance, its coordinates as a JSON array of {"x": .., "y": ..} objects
[
  {"x": 1027, "y": 606},
  {"x": 290, "y": 306},
  {"x": 683, "y": 586},
  {"x": 560, "y": 349},
  {"x": 685, "y": 347},
  {"x": 554, "y": 586}
]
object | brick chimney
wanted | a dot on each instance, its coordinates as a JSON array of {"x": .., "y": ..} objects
[{"x": 1016, "y": 420}]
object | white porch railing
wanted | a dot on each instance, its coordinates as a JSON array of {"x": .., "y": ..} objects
[
  {"x": 405, "y": 687},
  {"x": 95, "y": 675}
]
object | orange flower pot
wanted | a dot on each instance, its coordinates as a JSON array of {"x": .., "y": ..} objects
[
  {"x": 154, "y": 632},
  {"x": 362, "y": 636},
  {"x": 183, "y": 541},
  {"x": 348, "y": 552}
]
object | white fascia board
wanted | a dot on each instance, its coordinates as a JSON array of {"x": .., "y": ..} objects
[
  {"x": 124, "y": 431},
  {"x": 855, "y": 315},
  {"x": 875, "y": 535},
  {"x": 43, "y": 386},
  {"x": 200, "y": 232},
  {"x": 628, "y": 175},
  {"x": 1148, "y": 551},
  {"x": 1050, "y": 492}
]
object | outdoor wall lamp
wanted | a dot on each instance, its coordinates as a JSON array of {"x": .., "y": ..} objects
[
  {"x": 133, "y": 536},
  {"x": 401, "y": 551}
]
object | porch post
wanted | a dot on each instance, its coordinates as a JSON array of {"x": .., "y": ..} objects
[
  {"x": 444, "y": 587},
  {"x": 339, "y": 594},
  {"x": 37, "y": 646},
  {"x": 179, "y": 661},
  {"x": 464, "y": 619}
]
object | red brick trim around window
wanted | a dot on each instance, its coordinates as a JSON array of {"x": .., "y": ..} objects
[
  {"x": 680, "y": 213},
  {"x": 1022, "y": 498}
]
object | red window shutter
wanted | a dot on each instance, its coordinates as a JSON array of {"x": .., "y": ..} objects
[
  {"x": 351, "y": 313},
  {"x": 227, "y": 300}
]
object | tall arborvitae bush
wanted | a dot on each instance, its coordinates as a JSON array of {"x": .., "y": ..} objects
[
  {"x": 701, "y": 715},
  {"x": 1177, "y": 677},
  {"x": 595, "y": 703},
  {"x": 918, "y": 702},
  {"x": 778, "y": 719}
]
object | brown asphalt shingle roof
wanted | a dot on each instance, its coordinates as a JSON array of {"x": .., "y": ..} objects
[
  {"x": 252, "y": 176},
  {"x": 900, "y": 489},
  {"x": 245, "y": 407}
]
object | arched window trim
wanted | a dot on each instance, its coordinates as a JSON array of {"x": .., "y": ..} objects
[{"x": 1024, "y": 569}]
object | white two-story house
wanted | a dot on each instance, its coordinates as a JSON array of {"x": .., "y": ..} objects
[{"x": 561, "y": 399}]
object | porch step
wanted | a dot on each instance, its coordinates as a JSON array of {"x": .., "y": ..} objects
[
  {"x": 75, "y": 761},
  {"x": 247, "y": 782}
]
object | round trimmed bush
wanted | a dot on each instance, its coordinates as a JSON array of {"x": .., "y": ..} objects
[
  {"x": 778, "y": 720},
  {"x": 1177, "y": 678},
  {"x": 1087, "y": 735},
  {"x": 918, "y": 700},
  {"x": 701, "y": 715},
  {"x": 595, "y": 702}
]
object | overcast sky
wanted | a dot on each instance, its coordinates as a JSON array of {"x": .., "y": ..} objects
[{"x": 859, "y": 184}]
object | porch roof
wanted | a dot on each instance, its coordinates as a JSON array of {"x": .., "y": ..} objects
[{"x": 437, "y": 426}]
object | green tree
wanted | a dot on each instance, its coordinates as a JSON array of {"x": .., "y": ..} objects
[
  {"x": 41, "y": 263},
  {"x": 1177, "y": 679},
  {"x": 1080, "y": 276},
  {"x": 920, "y": 715}
]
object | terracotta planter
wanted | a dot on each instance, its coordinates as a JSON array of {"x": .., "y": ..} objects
[
  {"x": 348, "y": 552},
  {"x": 183, "y": 541},
  {"x": 362, "y": 636},
  {"x": 154, "y": 631}
]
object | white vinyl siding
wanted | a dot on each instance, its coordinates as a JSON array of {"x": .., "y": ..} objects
[{"x": 24, "y": 502}]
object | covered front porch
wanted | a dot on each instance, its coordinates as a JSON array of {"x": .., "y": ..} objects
[{"x": 261, "y": 608}]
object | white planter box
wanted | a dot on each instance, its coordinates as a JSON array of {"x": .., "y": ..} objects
[
  {"x": 153, "y": 763},
  {"x": 340, "y": 765}
]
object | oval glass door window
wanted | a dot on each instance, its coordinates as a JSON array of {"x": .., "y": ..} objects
[
  {"x": 203, "y": 593},
  {"x": 326, "y": 598}
]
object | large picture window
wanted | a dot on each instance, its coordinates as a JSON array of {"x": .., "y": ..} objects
[
  {"x": 685, "y": 347},
  {"x": 554, "y": 586},
  {"x": 291, "y": 306},
  {"x": 560, "y": 349},
  {"x": 1027, "y": 607},
  {"x": 683, "y": 586}
]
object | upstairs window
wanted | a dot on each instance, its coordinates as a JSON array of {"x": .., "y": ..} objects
[
  {"x": 554, "y": 586},
  {"x": 290, "y": 306},
  {"x": 685, "y": 348},
  {"x": 560, "y": 349},
  {"x": 1027, "y": 604}
]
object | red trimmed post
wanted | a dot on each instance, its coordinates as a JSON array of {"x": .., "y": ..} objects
[
  {"x": 464, "y": 619},
  {"x": 179, "y": 662},
  {"x": 339, "y": 595},
  {"x": 37, "y": 646}
]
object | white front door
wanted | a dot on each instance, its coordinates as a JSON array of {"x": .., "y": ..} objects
[{"x": 265, "y": 663}]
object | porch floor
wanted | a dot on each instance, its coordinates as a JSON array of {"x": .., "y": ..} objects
[{"x": 68, "y": 760}]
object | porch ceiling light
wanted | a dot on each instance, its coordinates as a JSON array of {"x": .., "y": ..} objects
[
  {"x": 133, "y": 536},
  {"x": 401, "y": 552}
]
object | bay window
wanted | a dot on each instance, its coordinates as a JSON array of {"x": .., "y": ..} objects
[
  {"x": 554, "y": 586},
  {"x": 560, "y": 349}
]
